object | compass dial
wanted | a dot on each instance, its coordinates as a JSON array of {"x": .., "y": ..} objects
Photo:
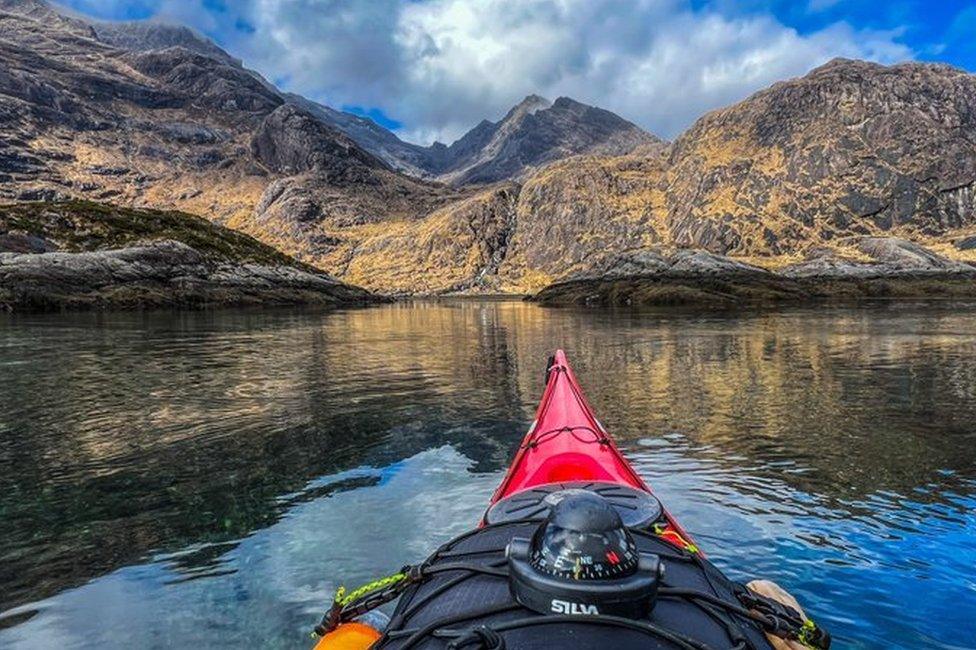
[{"x": 584, "y": 539}]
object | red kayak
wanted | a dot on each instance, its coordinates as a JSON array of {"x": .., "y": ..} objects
[
  {"x": 574, "y": 550},
  {"x": 567, "y": 443}
]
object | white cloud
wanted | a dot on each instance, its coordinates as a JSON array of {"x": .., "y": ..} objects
[{"x": 440, "y": 66}]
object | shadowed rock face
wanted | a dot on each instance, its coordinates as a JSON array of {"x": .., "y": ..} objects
[
  {"x": 291, "y": 141},
  {"x": 403, "y": 156}
]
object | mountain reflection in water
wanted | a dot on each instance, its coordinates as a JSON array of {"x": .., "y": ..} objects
[{"x": 209, "y": 478}]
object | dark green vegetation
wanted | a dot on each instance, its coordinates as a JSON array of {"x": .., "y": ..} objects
[{"x": 82, "y": 255}]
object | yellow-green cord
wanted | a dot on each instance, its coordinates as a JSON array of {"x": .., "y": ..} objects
[
  {"x": 803, "y": 636},
  {"x": 343, "y": 599}
]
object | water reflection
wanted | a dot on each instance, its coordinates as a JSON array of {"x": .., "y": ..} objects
[{"x": 194, "y": 449}]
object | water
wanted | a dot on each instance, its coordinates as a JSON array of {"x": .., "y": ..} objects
[{"x": 208, "y": 479}]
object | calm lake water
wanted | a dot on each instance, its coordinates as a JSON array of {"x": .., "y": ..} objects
[{"x": 208, "y": 479}]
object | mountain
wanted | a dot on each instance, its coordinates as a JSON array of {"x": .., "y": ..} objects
[
  {"x": 853, "y": 148},
  {"x": 177, "y": 127},
  {"x": 533, "y": 133},
  {"x": 152, "y": 115},
  {"x": 805, "y": 171},
  {"x": 808, "y": 168}
]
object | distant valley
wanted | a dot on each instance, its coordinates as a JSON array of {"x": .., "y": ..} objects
[{"x": 803, "y": 175}]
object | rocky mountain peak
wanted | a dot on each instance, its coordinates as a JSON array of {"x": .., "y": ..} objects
[
  {"x": 40, "y": 10},
  {"x": 535, "y": 100},
  {"x": 840, "y": 67},
  {"x": 843, "y": 63},
  {"x": 567, "y": 102},
  {"x": 493, "y": 151},
  {"x": 535, "y": 132},
  {"x": 527, "y": 106},
  {"x": 26, "y": 7},
  {"x": 139, "y": 36}
]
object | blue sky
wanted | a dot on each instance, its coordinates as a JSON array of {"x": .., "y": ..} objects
[
  {"x": 431, "y": 69},
  {"x": 937, "y": 30}
]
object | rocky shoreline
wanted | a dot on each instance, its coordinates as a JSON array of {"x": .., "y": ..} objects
[
  {"x": 890, "y": 269},
  {"x": 83, "y": 255},
  {"x": 160, "y": 274},
  {"x": 78, "y": 255}
]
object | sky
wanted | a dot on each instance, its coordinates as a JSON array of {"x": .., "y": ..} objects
[{"x": 432, "y": 69}]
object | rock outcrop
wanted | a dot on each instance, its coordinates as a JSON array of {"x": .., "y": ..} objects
[
  {"x": 80, "y": 255},
  {"x": 159, "y": 274},
  {"x": 888, "y": 268}
]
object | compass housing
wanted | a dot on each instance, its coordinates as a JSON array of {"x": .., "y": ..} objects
[{"x": 582, "y": 560}]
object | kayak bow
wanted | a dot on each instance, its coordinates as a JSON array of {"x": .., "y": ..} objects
[{"x": 567, "y": 443}]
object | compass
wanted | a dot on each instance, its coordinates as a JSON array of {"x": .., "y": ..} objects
[{"x": 583, "y": 560}]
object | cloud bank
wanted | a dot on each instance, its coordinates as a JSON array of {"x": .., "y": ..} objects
[{"x": 440, "y": 66}]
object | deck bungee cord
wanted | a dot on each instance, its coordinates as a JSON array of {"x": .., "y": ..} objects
[{"x": 574, "y": 550}]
